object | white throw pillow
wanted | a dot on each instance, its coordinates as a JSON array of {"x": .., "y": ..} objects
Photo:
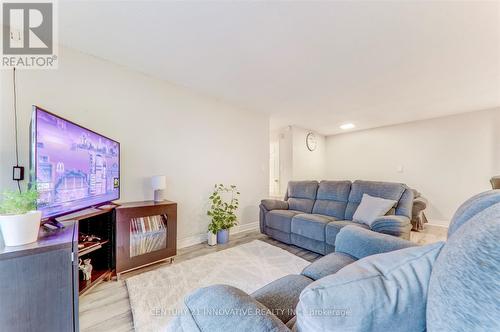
[{"x": 371, "y": 208}]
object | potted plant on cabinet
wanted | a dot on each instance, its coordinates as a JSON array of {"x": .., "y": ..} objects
[
  {"x": 222, "y": 211},
  {"x": 19, "y": 220}
]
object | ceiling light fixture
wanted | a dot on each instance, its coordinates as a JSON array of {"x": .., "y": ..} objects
[{"x": 347, "y": 126}]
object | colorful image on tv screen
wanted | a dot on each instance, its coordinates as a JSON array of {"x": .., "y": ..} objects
[{"x": 75, "y": 167}]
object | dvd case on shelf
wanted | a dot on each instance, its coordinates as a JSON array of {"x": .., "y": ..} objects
[{"x": 148, "y": 234}]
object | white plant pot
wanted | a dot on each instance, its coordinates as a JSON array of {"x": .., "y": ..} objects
[
  {"x": 20, "y": 229},
  {"x": 212, "y": 239}
]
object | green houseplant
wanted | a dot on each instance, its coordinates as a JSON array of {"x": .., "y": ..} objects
[
  {"x": 224, "y": 202},
  {"x": 19, "y": 220}
]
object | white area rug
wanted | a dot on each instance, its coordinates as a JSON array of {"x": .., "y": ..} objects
[{"x": 154, "y": 296}]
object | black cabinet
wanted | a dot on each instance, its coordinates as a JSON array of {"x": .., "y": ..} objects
[{"x": 39, "y": 283}]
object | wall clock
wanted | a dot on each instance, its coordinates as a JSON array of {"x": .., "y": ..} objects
[{"x": 311, "y": 142}]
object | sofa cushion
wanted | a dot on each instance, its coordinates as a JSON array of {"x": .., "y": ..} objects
[
  {"x": 331, "y": 199},
  {"x": 399, "y": 226},
  {"x": 307, "y": 243},
  {"x": 301, "y": 195},
  {"x": 387, "y": 190},
  {"x": 280, "y": 219},
  {"x": 327, "y": 265},
  {"x": 386, "y": 292},
  {"x": 225, "y": 308},
  {"x": 302, "y": 189},
  {"x": 371, "y": 208},
  {"x": 358, "y": 242},
  {"x": 471, "y": 207},
  {"x": 310, "y": 225},
  {"x": 301, "y": 204},
  {"x": 464, "y": 290},
  {"x": 334, "y": 227},
  {"x": 282, "y": 295}
]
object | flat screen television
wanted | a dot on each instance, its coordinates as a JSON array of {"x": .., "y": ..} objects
[{"x": 73, "y": 167}]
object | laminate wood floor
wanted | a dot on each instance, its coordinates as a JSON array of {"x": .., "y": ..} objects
[{"x": 106, "y": 308}]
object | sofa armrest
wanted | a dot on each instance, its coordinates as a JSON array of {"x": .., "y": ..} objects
[
  {"x": 399, "y": 226},
  {"x": 274, "y": 204},
  {"x": 419, "y": 204},
  {"x": 359, "y": 242},
  {"x": 267, "y": 205},
  {"x": 225, "y": 308}
]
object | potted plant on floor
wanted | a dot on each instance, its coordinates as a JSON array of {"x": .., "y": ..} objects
[
  {"x": 224, "y": 203},
  {"x": 19, "y": 220}
]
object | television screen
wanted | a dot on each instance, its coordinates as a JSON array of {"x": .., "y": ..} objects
[{"x": 73, "y": 167}]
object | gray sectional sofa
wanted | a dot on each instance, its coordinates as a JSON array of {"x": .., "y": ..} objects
[
  {"x": 373, "y": 282},
  {"x": 312, "y": 213}
]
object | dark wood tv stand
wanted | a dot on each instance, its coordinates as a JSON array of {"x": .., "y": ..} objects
[
  {"x": 132, "y": 235},
  {"x": 40, "y": 282}
]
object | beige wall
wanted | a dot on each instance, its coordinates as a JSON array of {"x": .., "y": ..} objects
[
  {"x": 448, "y": 159},
  {"x": 163, "y": 129},
  {"x": 296, "y": 161},
  {"x": 308, "y": 165}
]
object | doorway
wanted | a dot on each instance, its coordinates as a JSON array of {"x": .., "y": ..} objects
[{"x": 274, "y": 168}]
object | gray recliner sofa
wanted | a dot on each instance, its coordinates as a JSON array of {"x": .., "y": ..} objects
[
  {"x": 312, "y": 213},
  {"x": 448, "y": 287}
]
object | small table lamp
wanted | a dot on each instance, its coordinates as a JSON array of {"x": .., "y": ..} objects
[{"x": 158, "y": 182}]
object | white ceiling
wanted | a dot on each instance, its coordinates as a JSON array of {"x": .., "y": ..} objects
[{"x": 313, "y": 64}]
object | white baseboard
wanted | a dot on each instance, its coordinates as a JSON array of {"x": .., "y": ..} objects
[
  {"x": 200, "y": 238},
  {"x": 191, "y": 240},
  {"x": 253, "y": 226},
  {"x": 439, "y": 223}
]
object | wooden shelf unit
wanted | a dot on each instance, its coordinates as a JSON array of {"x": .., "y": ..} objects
[
  {"x": 125, "y": 213},
  {"x": 99, "y": 222},
  {"x": 97, "y": 277},
  {"x": 94, "y": 246}
]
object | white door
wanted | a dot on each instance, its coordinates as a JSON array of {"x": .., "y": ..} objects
[{"x": 274, "y": 168}]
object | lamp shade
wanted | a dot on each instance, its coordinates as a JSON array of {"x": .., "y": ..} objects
[{"x": 158, "y": 182}]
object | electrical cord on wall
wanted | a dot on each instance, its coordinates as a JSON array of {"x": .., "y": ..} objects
[{"x": 15, "y": 125}]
